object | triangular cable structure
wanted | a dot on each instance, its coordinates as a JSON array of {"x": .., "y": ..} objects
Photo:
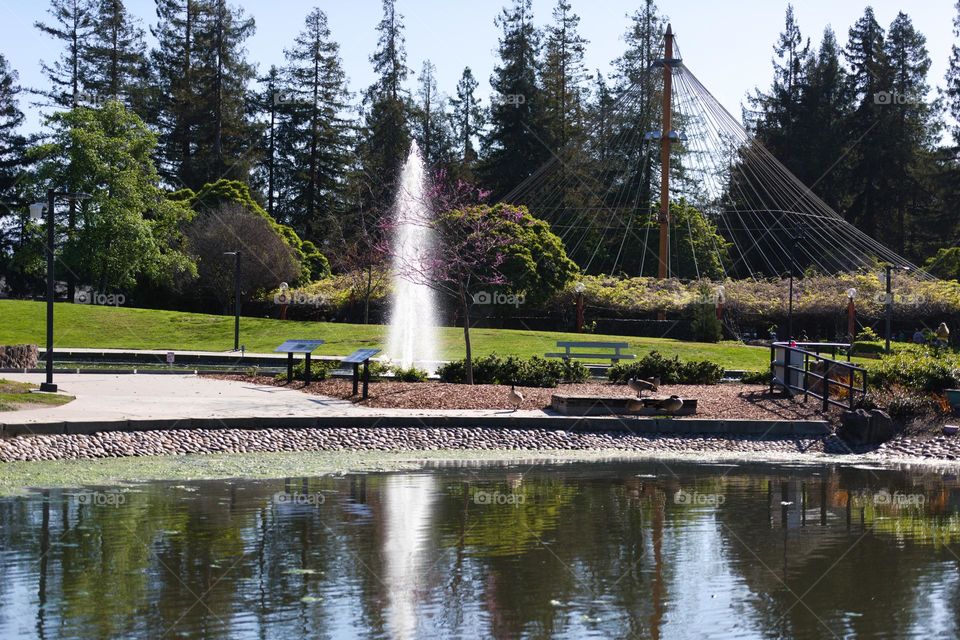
[{"x": 735, "y": 210}]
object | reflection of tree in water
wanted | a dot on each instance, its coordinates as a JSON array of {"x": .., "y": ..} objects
[
  {"x": 826, "y": 541},
  {"x": 587, "y": 548}
]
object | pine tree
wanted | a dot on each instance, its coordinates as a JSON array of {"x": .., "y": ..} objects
[
  {"x": 13, "y": 220},
  {"x": 385, "y": 140},
  {"x": 430, "y": 122},
  {"x": 312, "y": 137},
  {"x": 775, "y": 115},
  {"x": 174, "y": 110},
  {"x": 869, "y": 83},
  {"x": 564, "y": 77},
  {"x": 69, "y": 76},
  {"x": 909, "y": 128},
  {"x": 12, "y": 142},
  {"x": 821, "y": 124},
  {"x": 225, "y": 136},
  {"x": 117, "y": 53},
  {"x": 953, "y": 79},
  {"x": 467, "y": 120},
  {"x": 517, "y": 142}
]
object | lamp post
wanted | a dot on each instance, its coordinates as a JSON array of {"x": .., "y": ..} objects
[
  {"x": 851, "y": 315},
  {"x": 579, "y": 289},
  {"x": 797, "y": 238},
  {"x": 236, "y": 297},
  {"x": 36, "y": 213},
  {"x": 888, "y": 269}
]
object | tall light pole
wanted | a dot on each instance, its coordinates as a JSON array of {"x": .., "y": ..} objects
[
  {"x": 888, "y": 269},
  {"x": 851, "y": 315},
  {"x": 36, "y": 212},
  {"x": 236, "y": 297}
]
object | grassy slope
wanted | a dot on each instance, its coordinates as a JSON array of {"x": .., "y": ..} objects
[
  {"x": 110, "y": 327},
  {"x": 16, "y": 395}
]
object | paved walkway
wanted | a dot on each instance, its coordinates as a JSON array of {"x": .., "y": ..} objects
[{"x": 118, "y": 397}]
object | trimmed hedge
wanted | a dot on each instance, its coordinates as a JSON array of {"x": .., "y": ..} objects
[
  {"x": 917, "y": 370},
  {"x": 669, "y": 370},
  {"x": 535, "y": 372}
]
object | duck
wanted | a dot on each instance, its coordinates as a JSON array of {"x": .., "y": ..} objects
[
  {"x": 643, "y": 385},
  {"x": 516, "y": 398}
]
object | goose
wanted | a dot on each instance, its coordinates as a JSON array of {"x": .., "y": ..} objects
[
  {"x": 643, "y": 385},
  {"x": 671, "y": 404},
  {"x": 516, "y": 398}
]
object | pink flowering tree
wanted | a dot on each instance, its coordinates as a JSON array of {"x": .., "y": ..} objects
[{"x": 470, "y": 245}]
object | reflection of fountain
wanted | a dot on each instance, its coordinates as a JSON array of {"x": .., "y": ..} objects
[
  {"x": 412, "y": 338},
  {"x": 407, "y": 519}
]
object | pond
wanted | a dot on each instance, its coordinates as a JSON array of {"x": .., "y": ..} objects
[{"x": 613, "y": 549}]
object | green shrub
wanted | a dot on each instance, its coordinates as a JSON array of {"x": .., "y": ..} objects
[
  {"x": 756, "y": 377},
  {"x": 917, "y": 370},
  {"x": 861, "y": 347},
  {"x": 669, "y": 370},
  {"x": 911, "y": 405},
  {"x": 535, "y": 372},
  {"x": 319, "y": 370},
  {"x": 867, "y": 334},
  {"x": 410, "y": 374}
]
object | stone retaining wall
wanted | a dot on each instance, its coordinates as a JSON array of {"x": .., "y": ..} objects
[{"x": 18, "y": 356}]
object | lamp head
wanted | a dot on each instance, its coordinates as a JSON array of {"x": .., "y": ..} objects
[
  {"x": 37, "y": 210},
  {"x": 579, "y": 287},
  {"x": 851, "y": 293}
]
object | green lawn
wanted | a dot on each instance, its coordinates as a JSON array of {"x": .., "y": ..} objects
[
  {"x": 118, "y": 327},
  {"x": 16, "y": 395}
]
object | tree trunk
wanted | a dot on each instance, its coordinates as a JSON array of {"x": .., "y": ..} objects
[
  {"x": 465, "y": 309},
  {"x": 366, "y": 295}
]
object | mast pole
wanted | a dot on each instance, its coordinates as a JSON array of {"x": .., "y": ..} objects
[{"x": 665, "y": 156}]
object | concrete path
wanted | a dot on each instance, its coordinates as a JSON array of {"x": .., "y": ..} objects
[{"x": 145, "y": 396}]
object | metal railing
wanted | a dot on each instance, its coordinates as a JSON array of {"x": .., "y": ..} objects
[{"x": 803, "y": 370}]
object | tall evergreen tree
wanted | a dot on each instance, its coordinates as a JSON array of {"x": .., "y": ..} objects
[
  {"x": 821, "y": 124},
  {"x": 869, "y": 83},
  {"x": 117, "y": 53},
  {"x": 564, "y": 77},
  {"x": 430, "y": 122},
  {"x": 518, "y": 141},
  {"x": 73, "y": 24},
  {"x": 13, "y": 220},
  {"x": 385, "y": 140},
  {"x": 467, "y": 120},
  {"x": 174, "y": 110},
  {"x": 224, "y": 136},
  {"x": 909, "y": 127},
  {"x": 775, "y": 115},
  {"x": 12, "y": 141},
  {"x": 953, "y": 78},
  {"x": 312, "y": 137}
]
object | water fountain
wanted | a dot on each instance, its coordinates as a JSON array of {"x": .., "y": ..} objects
[{"x": 412, "y": 338}]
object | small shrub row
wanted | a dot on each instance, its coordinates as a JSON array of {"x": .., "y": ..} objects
[
  {"x": 535, "y": 372},
  {"x": 756, "y": 377},
  {"x": 319, "y": 370},
  {"x": 917, "y": 370},
  {"x": 669, "y": 370}
]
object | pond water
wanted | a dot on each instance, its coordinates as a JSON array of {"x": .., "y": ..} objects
[{"x": 548, "y": 550}]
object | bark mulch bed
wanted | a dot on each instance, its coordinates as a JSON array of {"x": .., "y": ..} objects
[{"x": 727, "y": 400}]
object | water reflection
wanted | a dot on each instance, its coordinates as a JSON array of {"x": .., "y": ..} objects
[{"x": 608, "y": 549}]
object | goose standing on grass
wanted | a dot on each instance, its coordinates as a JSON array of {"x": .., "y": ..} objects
[
  {"x": 516, "y": 398},
  {"x": 643, "y": 385}
]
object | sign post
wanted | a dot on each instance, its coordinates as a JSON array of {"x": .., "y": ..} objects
[
  {"x": 306, "y": 347},
  {"x": 358, "y": 357}
]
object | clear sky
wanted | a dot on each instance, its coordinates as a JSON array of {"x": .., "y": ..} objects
[{"x": 726, "y": 43}]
